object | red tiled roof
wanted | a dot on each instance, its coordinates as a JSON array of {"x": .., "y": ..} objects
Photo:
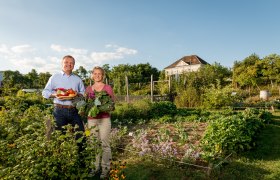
[{"x": 190, "y": 60}]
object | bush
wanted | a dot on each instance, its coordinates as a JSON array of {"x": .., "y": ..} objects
[
  {"x": 232, "y": 134},
  {"x": 188, "y": 98},
  {"x": 32, "y": 156},
  {"x": 216, "y": 98},
  {"x": 159, "y": 109},
  {"x": 126, "y": 113}
]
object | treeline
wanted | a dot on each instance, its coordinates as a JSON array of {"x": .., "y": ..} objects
[
  {"x": 138, "y": 75},
  {"x": 255, "y": 72},
  {"x": 211, "y": 86}
]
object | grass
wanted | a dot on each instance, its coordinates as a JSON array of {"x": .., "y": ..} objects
[
  {"x": 147, "y": 169},
  {"x": 263, "y": 162}
]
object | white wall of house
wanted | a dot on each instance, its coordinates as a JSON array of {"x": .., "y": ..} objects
[{"x": 181, "y": 68}]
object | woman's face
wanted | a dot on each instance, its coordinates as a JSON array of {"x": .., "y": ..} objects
[{"x": 97, "y": 75}]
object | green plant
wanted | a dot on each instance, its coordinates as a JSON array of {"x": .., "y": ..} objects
[
  {"x": 218, "y": 97},
  {"x": 189, "y": 97},
  {"x": 159, "y": 109},
  {"x": 232, "y": 134}
]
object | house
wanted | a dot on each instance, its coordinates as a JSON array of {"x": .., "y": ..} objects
[{"x": 185, "y": 64}]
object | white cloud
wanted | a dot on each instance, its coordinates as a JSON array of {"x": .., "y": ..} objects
[
  {"x": 78, "y": 51},
  {"x": 123, "y": 50},
  {"x": 14, "y": 52},
  {"x": 4, "y": 49},
  {"x": 118, "y": 53},
  {"x": 59, "y": 48},
  {"x": 22, "y": 49},
  {"x": 21, "y": 57},
  {"x": 29, "y": 62},
  {"x": 103, "y": 56},
  {"x": 54, "y": 59},
  {"x": 51, "y": 68},
  {"x": 111, "y": 46}
]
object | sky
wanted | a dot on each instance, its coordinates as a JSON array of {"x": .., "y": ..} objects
[{"x": 36, "y": 34}]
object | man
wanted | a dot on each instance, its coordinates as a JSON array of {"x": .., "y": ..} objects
[{"x": 64, "y": 111}]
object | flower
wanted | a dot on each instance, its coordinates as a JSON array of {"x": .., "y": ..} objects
[{"x": 94, "y": 103}]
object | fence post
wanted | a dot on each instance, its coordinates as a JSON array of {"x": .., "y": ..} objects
[
  {"x": 169, "y": 84},
  {"x": 152, "y": 89},
  {"x": 126, "y": 84}
]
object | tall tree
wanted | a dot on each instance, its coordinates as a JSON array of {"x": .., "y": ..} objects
[
  {"x": 271, "y": 68},
  {"x": 13, "y": 79},
  {"x": 247, "y": 72},
  {"x": 82, "y": 72},
  {"x": 137, "y": 76},
  {"x": 32, "y": 79},
  {"x": 118, "y": 74},
  {"x": 211, "y": 74},
  {"x": 43, "y": 79},
  {"x": 12, "y": 82},
  {"x": 107, "y": 70}
]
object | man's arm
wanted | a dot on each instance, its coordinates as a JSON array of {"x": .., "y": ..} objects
[
  {"x": 81, "y": 91},
  {"x": 48, "y": 91}
]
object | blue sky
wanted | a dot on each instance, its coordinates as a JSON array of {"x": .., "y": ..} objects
[{"x": 36, "y": 34}]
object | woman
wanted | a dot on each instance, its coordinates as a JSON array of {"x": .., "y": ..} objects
[{"x": 100, "y": 125}]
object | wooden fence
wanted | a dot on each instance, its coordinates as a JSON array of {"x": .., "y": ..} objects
[{"x": 132, "y": 98}]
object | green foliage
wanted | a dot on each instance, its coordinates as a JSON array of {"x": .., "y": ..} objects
[
  {"x": 34, "y": 157},
  {"x": 217, "y": 97},
  {"x": 2, "y": 102},
  {"x": 14, "y": 81},
  {"x": 210, "y": 74},
  {"x": 117, "y": 137},
  {"x": 21, "y": 102},
  {"x": 245, "y": 73},
  {"x": 145, "y": 90},
  {"x": 232, "y": 134},
  {"x": 166, "y": 119},
  {"x": 94, "y": 103},
  {"x": 191, "y": 115},
  {"x": 253, "y": 71},
  {"x": 188, "y": 98},
  {"x": 82, "y": 72},
  {"x": 162, "y": 108},
  {"x": 138, "y": 75},
  {"x": 25, "y": 151},
  {"x": 143, "y": 110},
  {"x": 126, "y": 113}
]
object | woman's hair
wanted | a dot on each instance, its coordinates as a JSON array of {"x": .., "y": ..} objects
[{"x": 101, "y": 69}]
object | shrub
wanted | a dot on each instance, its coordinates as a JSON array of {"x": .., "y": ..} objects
[
  {"x": 188, "y": 98},
  {"x": 31, "y": 156},
  {"x": 126, "y": 113},
  {"x": 232, "y": 134},
  {"x": 216, "y": 98},
  {"x": 159, "y": 109}
]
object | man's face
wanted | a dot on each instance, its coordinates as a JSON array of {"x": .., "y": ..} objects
[{"x": 68, "y": 64}]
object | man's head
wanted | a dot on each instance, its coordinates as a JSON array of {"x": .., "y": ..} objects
[{"x": 68, "y": 63}]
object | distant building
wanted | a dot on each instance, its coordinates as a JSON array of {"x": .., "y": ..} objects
[
  {"x": 32, "y": 90},
  {"x": 1, "y": 78},
  {"x": 185, "y": 64}
]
